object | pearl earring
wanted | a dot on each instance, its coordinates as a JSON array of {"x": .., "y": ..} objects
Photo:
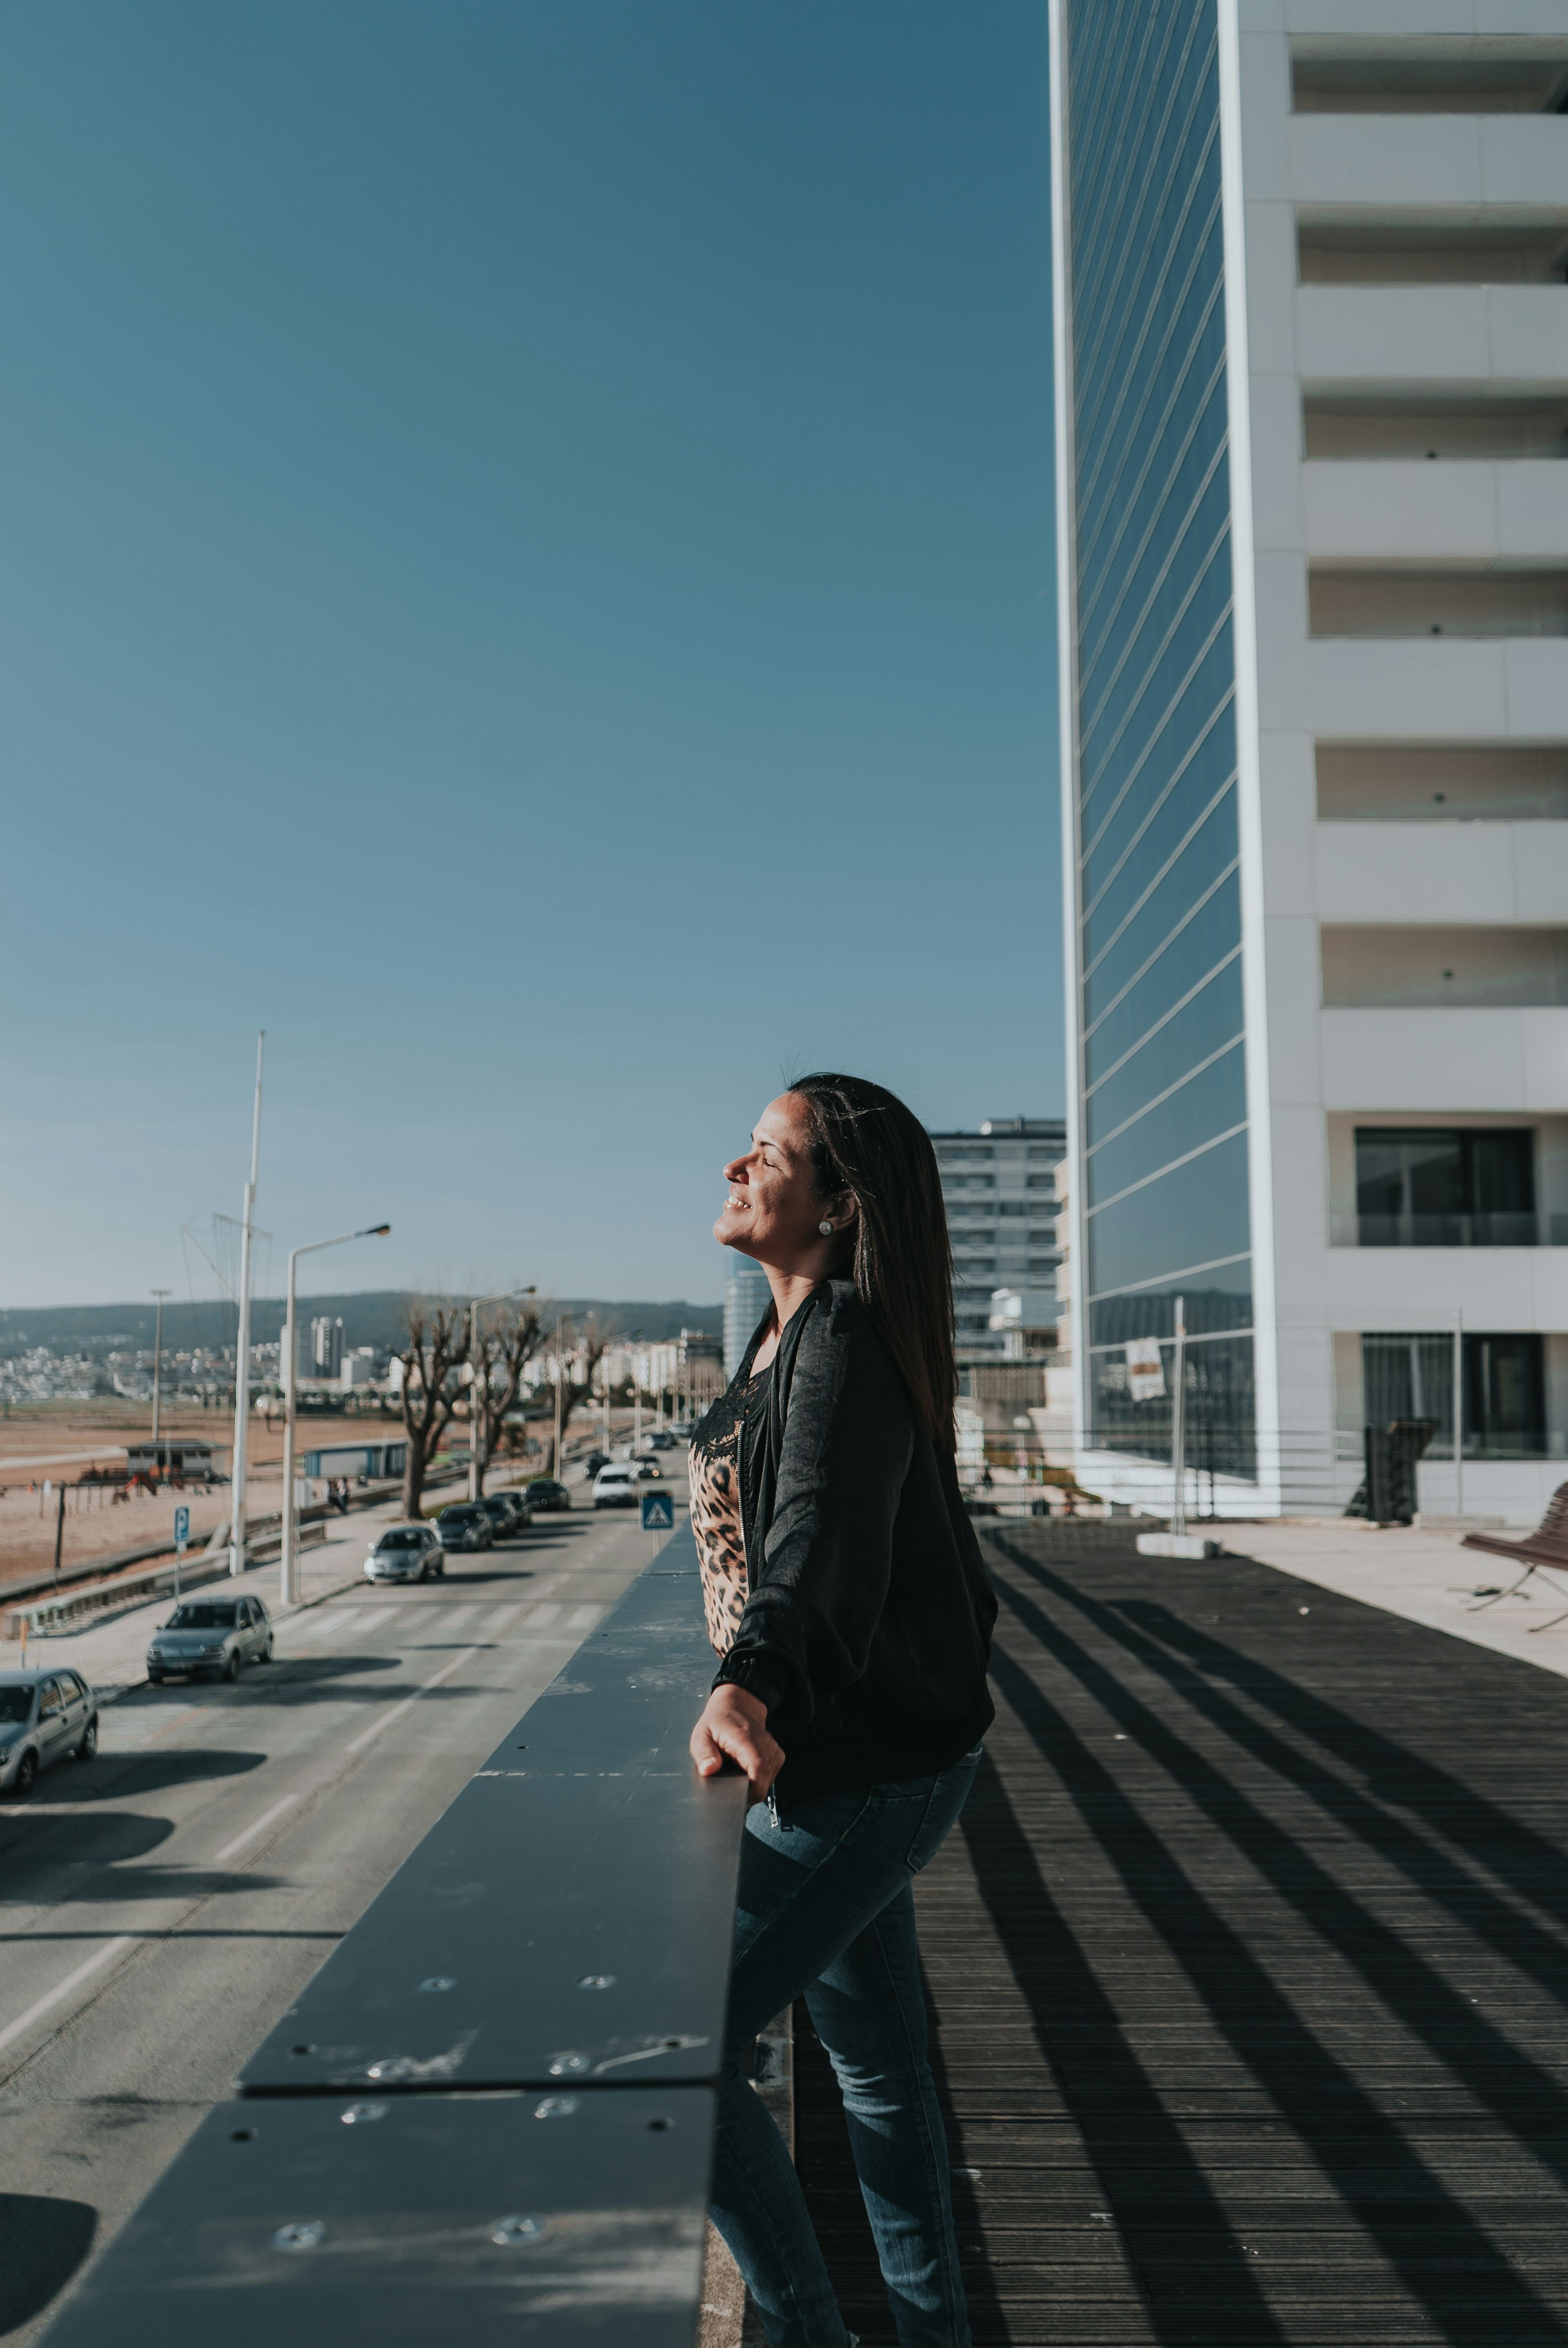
[{"x": 826, "y": 1230}]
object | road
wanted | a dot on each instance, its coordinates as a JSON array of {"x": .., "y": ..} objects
[{"x": 163, "y": 1904}]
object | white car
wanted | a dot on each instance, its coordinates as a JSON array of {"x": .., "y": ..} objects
[{"x": 615, "y": 1487}]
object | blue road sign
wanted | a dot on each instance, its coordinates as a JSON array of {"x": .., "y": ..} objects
[
  {"x": 658, "y": 1512},
  {"x": 182, "y": 1528}
]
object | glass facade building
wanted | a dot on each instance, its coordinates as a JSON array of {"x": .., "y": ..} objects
[
  {"x": 1317, "y": 1083},
  {"x": 1160, "y": 1076}
]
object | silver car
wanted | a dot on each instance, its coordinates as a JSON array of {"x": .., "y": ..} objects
[
  {"x": 211, "y": 1634},
  {"x": 405, "y": 1553},
  {"x": 44, "y": 1715}
]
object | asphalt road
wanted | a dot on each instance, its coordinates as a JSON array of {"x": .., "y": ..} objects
[{"x": 161, "y": 1906}]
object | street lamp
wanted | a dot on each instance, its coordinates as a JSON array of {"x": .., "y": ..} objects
[
  {"x": 157, "y": 1366},
  {"x": 287, "y": 1592},
  {"x": 503, "y": 1296}
]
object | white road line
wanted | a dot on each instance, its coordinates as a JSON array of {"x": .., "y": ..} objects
[
  {"x": 449, "y": 1618},
  {"x": 257, "y": 1826},
  {"x": 456, "y": 1663},
  {"x": 494, "y": 1624},
  {"x": 583, "y": 1618},
  {"x": 327, "y": 1624},
  {"x": 539, "y": 1615},
  {"x": 115, "y": 1948},
  {"x": 336, "y": 1628}
]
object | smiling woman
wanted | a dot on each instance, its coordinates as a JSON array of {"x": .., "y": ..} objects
[{"x": 847, "y": 1603}]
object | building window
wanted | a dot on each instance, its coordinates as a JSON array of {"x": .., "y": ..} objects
[
  {"x": 1409, "y": 1377},
  {"x": 1459, "y": 1187}
]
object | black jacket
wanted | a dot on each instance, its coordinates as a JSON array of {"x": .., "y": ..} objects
[{"x": 867, "y": 1629}]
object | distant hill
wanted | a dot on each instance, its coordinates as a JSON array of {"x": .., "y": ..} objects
[{"x": 372, "y": 1317}]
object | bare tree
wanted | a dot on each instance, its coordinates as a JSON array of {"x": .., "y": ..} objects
[
  {"x": 499, "y": 1358},
  {"x": 437, "y": 1346},
  {"x": 585, "y": 1354}
]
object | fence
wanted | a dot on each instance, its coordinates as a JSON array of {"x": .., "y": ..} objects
[{"x": 491, "y": 2112}]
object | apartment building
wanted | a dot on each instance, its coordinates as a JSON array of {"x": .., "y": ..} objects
[
  {"x": 1312, "y": 419},
  {"x": 999, "y": 1183}
]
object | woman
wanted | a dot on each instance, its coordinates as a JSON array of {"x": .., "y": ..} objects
[{"x": 845, "y": 1596}]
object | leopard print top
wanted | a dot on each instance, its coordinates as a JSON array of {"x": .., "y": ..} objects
[{"x": 712, "y": 1471}]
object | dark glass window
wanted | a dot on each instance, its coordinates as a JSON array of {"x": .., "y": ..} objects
[
  {"x": 1410, "y": 1375},
  {"x": 1209, "y": 1102},
  {"x": 1163, "y": 1070},
  {"x": 1195, "y": 1214},
  {"x": 1445, "y": 1187}
]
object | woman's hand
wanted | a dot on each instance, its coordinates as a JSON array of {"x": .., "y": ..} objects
[{"x": 734, "y": 1727}]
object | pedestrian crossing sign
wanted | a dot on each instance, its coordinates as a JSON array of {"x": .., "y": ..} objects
[{"x": 658, "y": 1512}]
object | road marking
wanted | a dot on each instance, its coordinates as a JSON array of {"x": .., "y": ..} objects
[
  {"x": 539, "y": 1615},
  {"x": 356, "y": 1743},
  {"x": 115, "y": 1948},
  {"x": 449, "y": 1618},
  {"x": 335, "y": 1625},
  {"x": 326, "y": 1625},
  {"x": 583, "y": 1618},
  {"x": 496, "y": 1622},
  {"x": 255, "y": 1828}
]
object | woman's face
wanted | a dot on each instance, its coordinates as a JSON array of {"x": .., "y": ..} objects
[{"x": 774, "y": 1208}]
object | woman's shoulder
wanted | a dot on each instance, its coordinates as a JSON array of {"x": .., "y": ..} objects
[{"x": 838, "y": 1328}]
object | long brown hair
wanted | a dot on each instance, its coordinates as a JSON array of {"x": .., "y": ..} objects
[{"x": 867, "y": 1142}]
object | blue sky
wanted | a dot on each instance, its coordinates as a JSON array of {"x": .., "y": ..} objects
[{"x": 526, "y": 571}]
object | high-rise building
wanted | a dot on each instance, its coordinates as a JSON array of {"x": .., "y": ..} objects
[
  {"x": 1312, "y": 417},
  {"x": 998, "y": 1184},
  {"x": 746, "y": 1296},
  {"x": 326, "y": 1347}
]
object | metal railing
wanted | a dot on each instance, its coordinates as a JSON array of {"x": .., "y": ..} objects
[
  {"x": 491, "y": 2115},
  {"x": 1456, "y": 1230}
]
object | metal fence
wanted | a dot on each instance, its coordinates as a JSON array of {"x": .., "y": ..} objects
[{"x": 491, "y": 2115}]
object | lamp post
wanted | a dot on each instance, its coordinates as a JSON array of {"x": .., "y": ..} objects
[
  {"x": 287, "y": 1592},
  {"x": 475, "y": 1464},
  {"x": 157, "y": 1366}
]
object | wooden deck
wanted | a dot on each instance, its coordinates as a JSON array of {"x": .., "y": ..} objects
[{"x": 1249, "y": 1963}]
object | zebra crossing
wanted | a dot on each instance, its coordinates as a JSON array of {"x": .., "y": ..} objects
[{"x": 434, "y": 1623}]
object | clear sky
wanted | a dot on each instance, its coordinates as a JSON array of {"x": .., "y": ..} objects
[{"x": 526, "y": 567}]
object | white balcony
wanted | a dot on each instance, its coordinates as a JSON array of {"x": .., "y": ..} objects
[
  {"x": 1454, "y": 163},
  {"x": 1432, "y": 337},
  {"x": 1404, "y": 1288},
  {"x": 1492, "y": 872},
  {"x": 1440, "y": 689},
  {"x": 1445, "y": 1062},
  {"x": 1412, "y": 511}
]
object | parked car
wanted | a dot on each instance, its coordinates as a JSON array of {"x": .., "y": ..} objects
[
  {"x": 682, "y": 1429},
  {"x": 211, "y": 1634},
  {"x": 501, "y": 1509},
  {"x": 44, "y": 1715},
  {"x": 405, "y": 1553},
  {"x": 465, "y": 1525},
  {"x": 646, "y": 1471},
  {"x": 548, "y": 1495},
  {"x": 517, "y": 1501},
  {"x": 660, "y": 1440},
  {"x": 594, "y": 1462},
  {"x": 615, "y": 1487}
]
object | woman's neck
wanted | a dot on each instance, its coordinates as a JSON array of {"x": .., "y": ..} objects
[{"x": 790, "y": 1290}]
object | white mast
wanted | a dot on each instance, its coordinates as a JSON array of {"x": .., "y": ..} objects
[{"x": 243, "y": 1363}]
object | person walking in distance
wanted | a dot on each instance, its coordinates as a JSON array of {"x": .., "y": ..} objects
[{"x": 849, "y": 1607}]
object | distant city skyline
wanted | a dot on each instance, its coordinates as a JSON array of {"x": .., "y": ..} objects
[{"x": 532, "y": 580}]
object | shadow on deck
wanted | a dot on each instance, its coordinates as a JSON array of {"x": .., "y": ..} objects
[{"x": 1248, "y": 1963}]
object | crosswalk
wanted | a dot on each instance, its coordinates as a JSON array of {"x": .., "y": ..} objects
[{"x": 425, "y": 1622}]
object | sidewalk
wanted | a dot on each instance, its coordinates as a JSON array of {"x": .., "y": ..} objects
[
  {"x": 111, "y": 1654},
  {"x": 1425, "y": 1576}
]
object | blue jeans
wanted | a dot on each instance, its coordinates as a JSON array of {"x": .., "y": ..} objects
[{"x": 827, "y": 1911}]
